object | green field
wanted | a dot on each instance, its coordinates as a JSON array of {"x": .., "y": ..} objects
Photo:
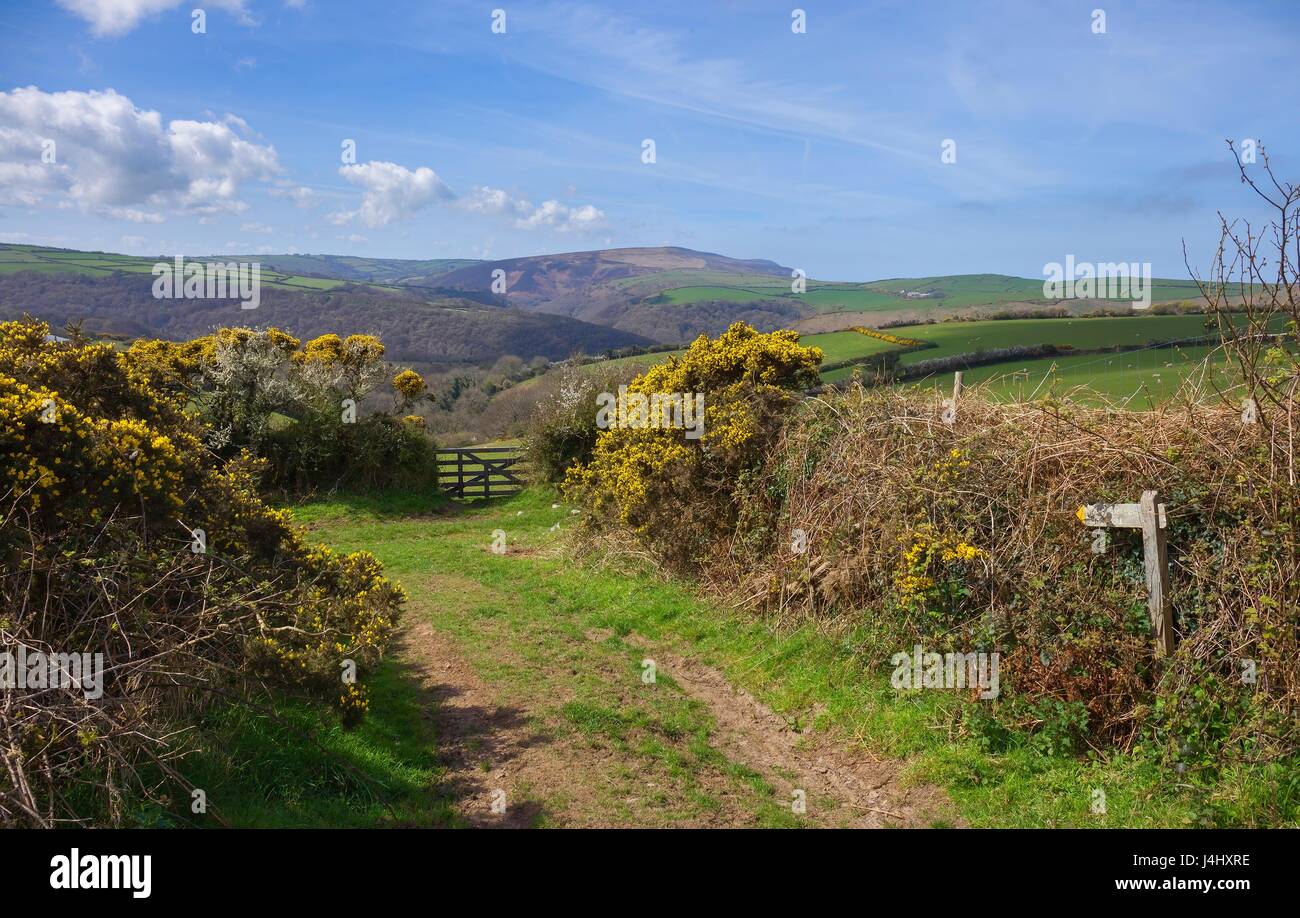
[
  {"x": 1143, "y": 377},
  {"x": 1114, "y": 375},
  {"x": 727, "y": 294},
  {"x": 950, "y": 338},
  {"x": 838, "y": 347},
  {"x": 967, "y": 337},
  {"x": 767, "y": 285},
  {"x": 950, "y": 292}
]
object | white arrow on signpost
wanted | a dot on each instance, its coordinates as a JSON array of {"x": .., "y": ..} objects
[{"x": 1149, "y": 516}]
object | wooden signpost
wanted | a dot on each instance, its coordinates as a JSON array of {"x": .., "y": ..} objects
[
  {"x": 950, "y": 404},
  {"x": 1149, "y": 516}
]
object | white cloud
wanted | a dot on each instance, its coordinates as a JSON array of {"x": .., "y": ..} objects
[
  {"x": 390, "y": 192},
  {"x": 256, "y": 228},
  {"x": 562, "y": 217},
  {"x": 300, "y": 195},
  {"x": 393, "y": 192},
  {"x": 112, "y": 158},
  {"x": 551, "y": 214},
  {"x": 134, "y": 215},
  {"x": 494, "y": 201},
  {"x": 117, "y": 17},
  {"x": 24, "y": 183}
]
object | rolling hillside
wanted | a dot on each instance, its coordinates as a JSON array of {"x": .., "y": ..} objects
[
  {"x": 578, "y": 302},
  {"x": 675, "y": 294},
  {"x": 440, "y": 332}
]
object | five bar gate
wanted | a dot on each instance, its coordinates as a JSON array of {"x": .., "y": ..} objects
[{"x": 480, "y": 471}]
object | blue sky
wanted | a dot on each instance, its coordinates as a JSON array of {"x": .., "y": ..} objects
[{"x": 819, "y": 150}]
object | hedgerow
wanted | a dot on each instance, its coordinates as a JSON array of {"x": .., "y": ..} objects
[
  {"x": 968, "y": 538},
  {"x": 863, "y": 513},
  {"x": 122, "y": 534}
]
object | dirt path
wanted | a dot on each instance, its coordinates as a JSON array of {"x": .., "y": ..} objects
[
  {"x": 494, "y": 754},
  {"x": 506, "y": 766},
  {"x": 861, "y": 791}
]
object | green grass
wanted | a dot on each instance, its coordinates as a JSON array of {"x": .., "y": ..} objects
[
  {"x": 853, "y": 298},
  {"x": 46, "y": 268},
  {"x": 296, "y": 766}
]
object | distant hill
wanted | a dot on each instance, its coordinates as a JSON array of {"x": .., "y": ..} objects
[
  {"x": 673, "y": 294},
  {"x": 444, "y": 332},
  {"x": 667, "y": 295},
  {"x": 356, "y": 268},
  {"x": 579, "y": 283}
]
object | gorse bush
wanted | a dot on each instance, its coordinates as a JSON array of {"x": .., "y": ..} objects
[
  {"x": 121, "y": 534},
  {"x": 657, "y": 480},
  {"x": 297, "y": 406}
]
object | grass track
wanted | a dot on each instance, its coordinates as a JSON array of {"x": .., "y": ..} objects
[{"x": 524, "y": 620}]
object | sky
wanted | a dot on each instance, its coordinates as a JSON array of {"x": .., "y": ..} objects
[{"x": 445, "y": 129}]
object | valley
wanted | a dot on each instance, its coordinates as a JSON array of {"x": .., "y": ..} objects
[{"x": 491, "y": 333}]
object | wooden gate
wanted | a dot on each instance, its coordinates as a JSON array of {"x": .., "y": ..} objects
[{"x": 480, "y": 471}]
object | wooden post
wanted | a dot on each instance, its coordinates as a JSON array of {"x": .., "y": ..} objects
[
  {"x": 1156, "y": 556},
  {"x": 1149, "y": 516},
  {"x": 950, "y": 404}
]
